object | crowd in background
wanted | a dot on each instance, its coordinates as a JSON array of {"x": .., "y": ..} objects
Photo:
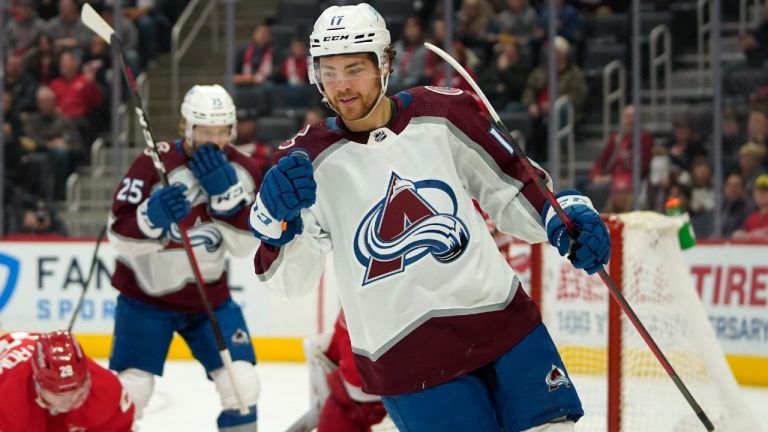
[{"x": 55, "y": 92}]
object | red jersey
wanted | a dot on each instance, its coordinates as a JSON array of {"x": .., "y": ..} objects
[
  {"x": 756, "y": 222},
  {"x": 106, "y": 409},
  {"x": 340, "y": 352},
  {"x": 77, "y": 97}
]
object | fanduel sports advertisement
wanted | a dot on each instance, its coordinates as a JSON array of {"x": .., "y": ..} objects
[{"x": 40, "y": 283}]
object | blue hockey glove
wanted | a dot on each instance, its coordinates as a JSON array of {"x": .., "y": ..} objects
[
  {"x": 212, "y": 169},
  {"x": 167, "y": 205},
  {"x": 288, "y": 187},
  {"x": 592, "y": 246},
  {"x": 276, "y": 237}
]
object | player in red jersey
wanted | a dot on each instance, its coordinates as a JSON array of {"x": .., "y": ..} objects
[
  {"x": 338, "y": 403},
  {"x": 49, "y": 385}
]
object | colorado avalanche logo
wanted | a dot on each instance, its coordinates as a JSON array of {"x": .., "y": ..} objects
[
  {"x": 206, "y": 234},
  {"x": 556, "y": 378},
  {"x": 404, "y": 227}
]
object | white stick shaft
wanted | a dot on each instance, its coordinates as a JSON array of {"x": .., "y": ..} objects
[
  {"x": 226, "y": 358},
  {"x": 95, "y": 22},
  {"x": 463, "y": 72}
]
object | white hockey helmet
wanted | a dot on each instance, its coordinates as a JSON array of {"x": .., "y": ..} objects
[
  {"x": 208, "y": 105},
  {"x": 349, "y": 30}
]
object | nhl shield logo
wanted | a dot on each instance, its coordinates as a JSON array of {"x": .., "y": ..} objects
[
  {"x": 9, "y": 276},
  {"x": 379, "y": 136},
  {"x": 556, "y": 378}
]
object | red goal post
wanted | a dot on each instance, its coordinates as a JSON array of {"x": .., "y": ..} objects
[{"x": 621, "y": 384}]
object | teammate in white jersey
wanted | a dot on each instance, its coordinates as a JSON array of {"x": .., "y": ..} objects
[
  {"x": 212, "y": 185},
  {"x": 439, "y": 324}
]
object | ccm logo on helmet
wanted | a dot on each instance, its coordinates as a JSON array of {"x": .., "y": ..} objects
[{"x": 335, "y": 38}]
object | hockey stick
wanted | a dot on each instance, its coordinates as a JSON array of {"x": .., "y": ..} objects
[
  {"x": 94, "y": 260},
  {"x": 572, "y": 231},
  {"x": 96, "y": 23}
]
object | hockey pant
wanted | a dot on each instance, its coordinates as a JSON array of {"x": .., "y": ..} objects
[{"x": 526, "y": 389}]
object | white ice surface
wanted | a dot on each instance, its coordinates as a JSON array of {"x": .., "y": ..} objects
[{"x": 184, "y": 400}]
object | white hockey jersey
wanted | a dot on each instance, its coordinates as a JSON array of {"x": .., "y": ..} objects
[
  {"x": 156, "y": 270},
  {"x": 426, "y": 294}
]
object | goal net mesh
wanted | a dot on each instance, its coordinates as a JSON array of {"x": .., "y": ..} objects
[{"x": 656, "y": 283}]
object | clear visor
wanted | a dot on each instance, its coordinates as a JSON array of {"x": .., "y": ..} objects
[
  {"x": 214, "y": 134},
  {"x": 66, "y": 401},
  {"x": 327, "y": 75}
]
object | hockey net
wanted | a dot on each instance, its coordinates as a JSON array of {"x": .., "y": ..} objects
[{"x": 622, "y": 385}]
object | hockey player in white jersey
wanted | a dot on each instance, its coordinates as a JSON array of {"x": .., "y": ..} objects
[
  {"x": 439, "y": 324},
  {"x": 211, "y": 188}
]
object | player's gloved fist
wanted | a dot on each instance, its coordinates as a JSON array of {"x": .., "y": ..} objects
[
  {"x": 212, "y": 169},
  {"x": 167, "y": 205},
  {"x": 288, "y": 187},
  {"x": 592, "y": 246},
  {"x": 274, "y": 232}
]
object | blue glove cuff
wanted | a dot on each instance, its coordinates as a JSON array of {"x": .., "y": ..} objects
[
  {"x": 566, "y": 198},
  {"x": 145, "y": 224}
]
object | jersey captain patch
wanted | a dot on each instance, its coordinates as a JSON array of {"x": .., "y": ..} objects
[{"x": 413, "y": 220}]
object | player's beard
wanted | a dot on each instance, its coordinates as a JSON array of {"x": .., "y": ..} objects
[{"x": 360, "y": 108}]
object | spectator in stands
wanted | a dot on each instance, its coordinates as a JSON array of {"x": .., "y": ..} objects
[
  {"x": 129, "y": 35},
  {"x": 435, "y": 69},
  {"x": 756, "y": 224},
  {"x": 12, "y": 147},
  {"x": 518, "y": 19},
  {"x": 757, "y": 126},
  {"x": 20, "y": 84},
  {"x": 503, "y": 80},
  {"x": 571, "y": 82},
  {"x": 621, "y": 198},
  {"x": 733, "y": 137},
  {"x": 568, "y": 22},
  {"x": 755, "y": 43},
  {"x": 702, "y": 190},
  {"x": 43, "y": 63},
  {"x": 46, "y": 9},
  {"x": 751, "y": 163},
  {"x": 700, "y": 221},
  {"x": 38, "y": 219},
  {"x": 735, "y": 207},
  {"x": 77, "y": 95},
  {"x": 474, "y": 17},
  {"x": 683, "y": 146},
  {"x": 615, "y": 160},
  {"x": 702, "y": 199},
  {"x": 314, "y": 115},
  {"x": 24, "y": 28},
  {"x": 411, "y": 56},
  {"x": 659, "y": 179},
  {"x": 153, "y": 28},
  {"x": 66, "y": 29},
  {"x": 254, "y": 62},
  {"x": 251, "y": 144},
  {"x": 294, "y": 67},
  {"x": 605, "y": 7},
  {"x": 55, "y": 135}
]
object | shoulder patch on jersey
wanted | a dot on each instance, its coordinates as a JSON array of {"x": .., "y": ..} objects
[
  {"x": 448, "y": 91},
  {"x": 162, "y": 147},
  {"x": 405, "y": 98},
  {"x": 313, "y": 138}
]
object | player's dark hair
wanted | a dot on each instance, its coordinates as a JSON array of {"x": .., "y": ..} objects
[{"x": 391, "y": 54}]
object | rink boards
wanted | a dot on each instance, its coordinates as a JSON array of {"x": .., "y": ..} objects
[{"x": 40, "y": 283}]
